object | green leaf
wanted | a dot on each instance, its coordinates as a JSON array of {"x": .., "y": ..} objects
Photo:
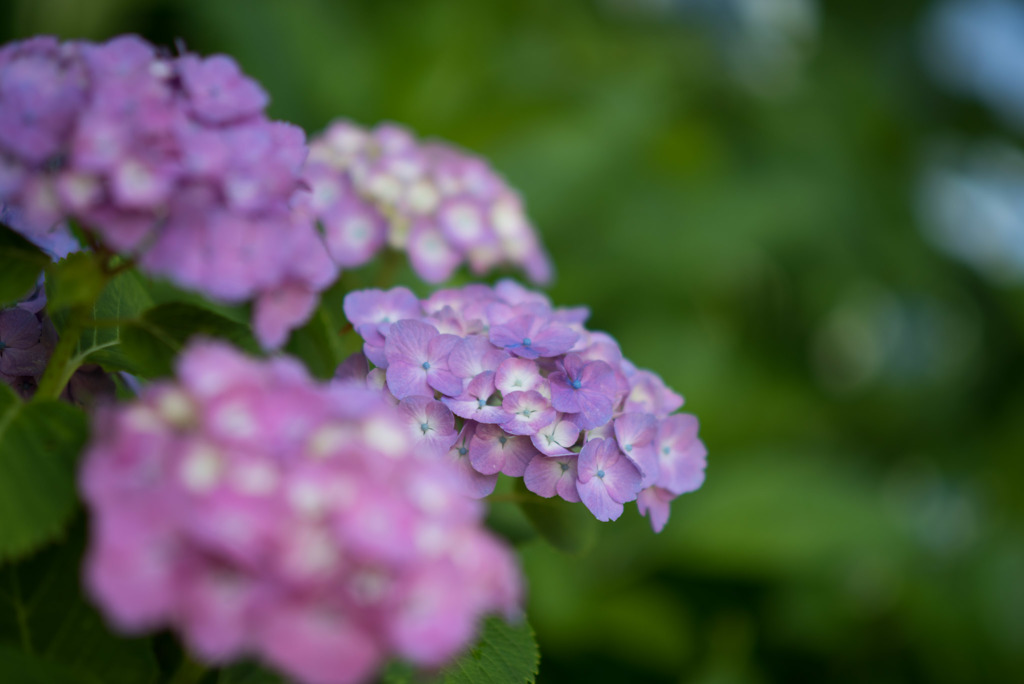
[
  {"x": 566, "y": 526},
  {"x": 153, "y": 341},
  {"x": 75, "y": 280},
  {"x": 39, "y": 445},
  {"x": 504, "y": 654},
  {"x": 21, "y": 262},
  {"x": 122, "y": 300},
  {"x": 43, "y": 609},
  {"x": 17, "y": 667}
]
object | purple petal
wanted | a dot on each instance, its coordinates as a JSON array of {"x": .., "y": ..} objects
[
  {"x": 409, "y": 340},
  {"x": 471, "y": 410},
  {"x": 432, "y": 257},
  {"x": 515, "y": 336},
  {"x": 636, "y": 429},
  {"x": 473, "y": 483},
  {"x": 596, "y": 498},
  {"x": 519, "y": 451},
  {"x": 595, "y": 409},
  {"x": 377, "y": 306},
  {"x": 550, "y": 476},
  {"x": 529, "y": 412},
  {"x": 622, "y": 479},
  {"x": 555, "y": 339},
  {"x": 555, "y": 438},
  {"x": 517, "y": 375},
  {"x": 474, "y": 355},
  {"x": 486, "y": 451},
  {"x": 441, "y": 347},
  {"x": 444, "y": 382},
  {"x": 31, "y": 361},
  {"x": 654, "y": 503},
  {"x": 407, "y": 380},
  {"x": 601, "y": 460},
  {"x": 353, "y": 369},
  {"x": 19, "y": 329},
  {"x": 563, "y": 396},
  {"x": 492, "y": 450}
]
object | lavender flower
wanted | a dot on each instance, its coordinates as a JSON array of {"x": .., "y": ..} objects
[
  {"x": 429, "y": 423},
  {"x": 169, "y": 160},
  {"x": 441, "y": 205},
  {"x": 417, "y": 358},
  {"x": 550, "y": 476},
  {"x": 537, "y": 390},
  {"x": 607, "y": 479},
  {"x": 586, "y": 390},
  {"x": 531, "y": 337}
]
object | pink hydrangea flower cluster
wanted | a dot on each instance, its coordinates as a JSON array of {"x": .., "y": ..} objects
[
  {"x": 502, "y": 382},
  {"x": 444, "y": 206},
  {"x": 168, "y": 159},
  {"x": 259, "y": 513}
]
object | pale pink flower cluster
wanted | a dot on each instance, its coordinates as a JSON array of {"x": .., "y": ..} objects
[
  {"x": 442, "y": 205},
  {"x": 502, "y": 382},
  {"x": 170, "y": 160},
  {"x": 261, "y": 514}
]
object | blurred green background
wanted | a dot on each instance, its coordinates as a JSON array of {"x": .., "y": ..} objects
[{"x": 739, "y": 191}]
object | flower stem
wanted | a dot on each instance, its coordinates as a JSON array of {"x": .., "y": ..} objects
[
  {"x": 62, "y": 365},
  {"x": 63, "y": 361}
]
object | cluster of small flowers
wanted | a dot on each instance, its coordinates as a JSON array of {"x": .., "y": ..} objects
[
  {"x": 372, "y": 188},
  {"x": 537, "y": 394},
  {"x": 169, "y": 159},
  {"x": 262, "y": 514}
]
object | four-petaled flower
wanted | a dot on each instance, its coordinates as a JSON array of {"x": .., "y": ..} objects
[
  {"x": 417, "y": 357},
  {"x": 533, "y": 336},
  {"x": 607, "y": 479},
  {"x": 587, "y": 390}
]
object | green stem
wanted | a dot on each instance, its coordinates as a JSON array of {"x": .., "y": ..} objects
[
  {"x": 62, "y": 365},
  {"x": 188, "y": 672},
  {"x": 63, "y": 361}
]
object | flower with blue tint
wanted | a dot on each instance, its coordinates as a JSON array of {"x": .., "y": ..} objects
[
  {"x": 492, "y": 450},
  {"x": 547, "y": 476},
  {"x": 417, "y": 358},
  {"x": 533, "y": 336},
  {"x": 607, "y": 479},
  {"x": 557, "y": 437},
  {"x": 528, "y": 411},
  {"x": 473, "y": 403},
  {"x": 474, "y": 484},
  {"x": 429, "y": 423},
  {"x": 587, "y": 390}
]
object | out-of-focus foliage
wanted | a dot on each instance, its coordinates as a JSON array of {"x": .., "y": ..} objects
[{"x": 761, "y": 231}]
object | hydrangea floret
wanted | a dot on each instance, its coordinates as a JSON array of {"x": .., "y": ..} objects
[
  {"x": 261, "y": 514},
  {"x": 509, "y": 384}
]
